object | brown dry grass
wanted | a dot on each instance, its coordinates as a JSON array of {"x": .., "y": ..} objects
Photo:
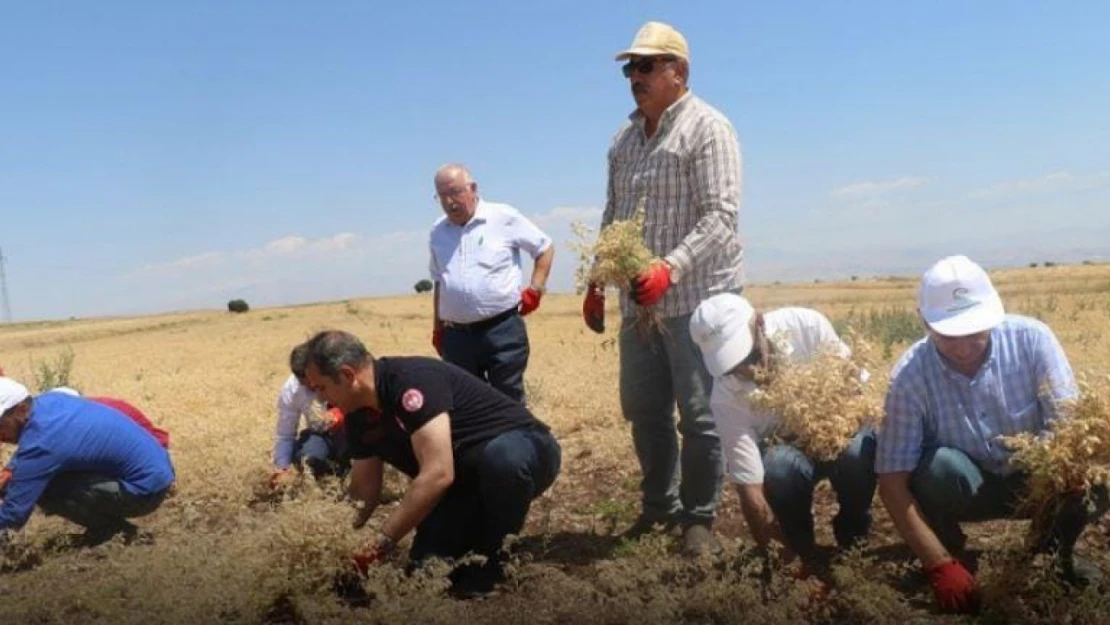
[{"x": 218, "y": 555}]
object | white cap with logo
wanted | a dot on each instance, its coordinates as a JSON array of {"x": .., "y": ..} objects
[
  {"x": 958, "y": 299},
  {"x": 721, "y": 327},
  {"x": 11, "y": 394}
]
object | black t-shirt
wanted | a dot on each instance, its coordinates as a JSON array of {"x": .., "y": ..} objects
[{"x": 414, "y": 390}]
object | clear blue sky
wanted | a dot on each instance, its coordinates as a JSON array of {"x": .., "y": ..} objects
[{"x": 158, "y": 156}]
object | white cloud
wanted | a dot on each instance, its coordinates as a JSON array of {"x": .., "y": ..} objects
[
  {"x": 565, "y": 215},
  {"x": 289, "y": 269},
  {"x": 296, "y": 268},
  {"x": 873, "y": 189},
  {"x": 1054, "y": 182}
]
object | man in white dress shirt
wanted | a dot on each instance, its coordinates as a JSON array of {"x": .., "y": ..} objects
[
  {"x": 322, "y": 444},
  {"x": 476, "y": 249},
  {"x": 776, "y": 486}
]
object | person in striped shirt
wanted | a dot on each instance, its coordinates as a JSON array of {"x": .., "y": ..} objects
[
  {"x": 978, "y": 375},
  {"x": 678, "y": 160}
]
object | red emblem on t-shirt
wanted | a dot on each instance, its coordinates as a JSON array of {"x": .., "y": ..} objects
[{"x": 412, "y": 400}]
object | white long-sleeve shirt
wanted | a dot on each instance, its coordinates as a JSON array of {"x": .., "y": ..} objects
[
  {"x": 295, "y": 402},
  {"x": 799, "y": 335}
]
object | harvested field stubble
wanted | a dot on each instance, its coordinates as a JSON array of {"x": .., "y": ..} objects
[{"x": 218, "y": 554}]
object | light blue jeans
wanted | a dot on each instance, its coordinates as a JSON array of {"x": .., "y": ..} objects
[{"x": 656, "y": 373}]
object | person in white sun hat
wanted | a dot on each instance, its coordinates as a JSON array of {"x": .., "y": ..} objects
[
  {"x": 80, "y": 460},
  {"x": 978, "y": 374},
  {"x": 775, "y": 483}
]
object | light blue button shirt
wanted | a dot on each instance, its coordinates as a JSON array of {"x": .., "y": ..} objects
[
  {"x": 477, "y": 265},
  {"x": 931, "y": 405}
]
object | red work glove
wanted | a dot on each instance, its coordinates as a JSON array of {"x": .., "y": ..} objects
[
  {"x": 437, "y": 339},
  {"x": 954, "y": 587},
  {"x": 593, "y": 308},
  {"x": 649, "y": 287},
  {"x": 5, "y": 477},
  {"x": 529, "y": 300},
  {"x": 363, "y": 560}
]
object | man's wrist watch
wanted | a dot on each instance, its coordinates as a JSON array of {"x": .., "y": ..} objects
[{"x": 539, "y": 288}]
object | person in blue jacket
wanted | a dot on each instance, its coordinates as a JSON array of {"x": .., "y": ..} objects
[{"x": 80, "y": 460}]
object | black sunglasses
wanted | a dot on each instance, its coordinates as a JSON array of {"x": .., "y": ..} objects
[{"x": 645, "y": 65}]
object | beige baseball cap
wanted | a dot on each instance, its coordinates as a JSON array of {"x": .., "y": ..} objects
[{"x": 656, "y": 38}]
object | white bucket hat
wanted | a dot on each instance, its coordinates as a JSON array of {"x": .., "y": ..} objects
[
  {"x": 721, "y": 327},
  {"x": 11, "y": 394},
  {"x": 958, "y": 299}
]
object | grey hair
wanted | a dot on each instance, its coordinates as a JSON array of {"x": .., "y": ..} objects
[
  {"x": 330, "y": 350},
  {"x": 451, "y": 169},
  {"x": 298, "y": 360}
]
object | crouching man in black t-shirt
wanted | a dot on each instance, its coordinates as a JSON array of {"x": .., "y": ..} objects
[{"x": 477, "y": 459}]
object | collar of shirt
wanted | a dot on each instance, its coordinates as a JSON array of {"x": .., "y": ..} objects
[
  {"x": 666, "y": 120},
  {"x": 951, "y": 372},
  {"x": 479, "y": 216}
]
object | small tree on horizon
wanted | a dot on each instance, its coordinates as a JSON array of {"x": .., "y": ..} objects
[{"x": 423, "y": 286}]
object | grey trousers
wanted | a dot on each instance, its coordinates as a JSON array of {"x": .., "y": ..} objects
[
  {"x": 657, "y": 372},
  {"x": 95, "y": 502}
]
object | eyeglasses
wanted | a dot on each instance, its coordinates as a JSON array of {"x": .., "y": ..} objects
[
  {"x": 448, "y": 194},
  {"x": 644, "y": 65}
]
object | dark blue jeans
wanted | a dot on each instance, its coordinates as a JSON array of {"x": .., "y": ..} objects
[
  {"x": 950, "y": 488},
  {"x": 96, "y": 502},
  {"x": 498, "y": 354},
  {"x": 789, "y": 479},
  {"x": 323, "y": 454},
  {"x": 490, "y": 498}
]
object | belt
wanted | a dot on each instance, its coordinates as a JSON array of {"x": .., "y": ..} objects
[{"x": 484, "y": 324}]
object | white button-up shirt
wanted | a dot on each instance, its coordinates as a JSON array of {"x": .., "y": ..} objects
[
  {"x": 798, "y": 335},
  {"x": 477, "y": 265},
  {"x": 295, "y": 402}
]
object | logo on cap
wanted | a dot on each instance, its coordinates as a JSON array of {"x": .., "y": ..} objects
[{"x": 960, "y": 300}]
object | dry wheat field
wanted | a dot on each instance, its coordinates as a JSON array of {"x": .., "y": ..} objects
[{"x": 222, "y": 551}]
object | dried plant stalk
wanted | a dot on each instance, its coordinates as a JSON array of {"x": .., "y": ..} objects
[
  {"x": 1074, "y": 457},
  {"x": 615, "y": 259},
  {"x": 823, "y": 403}
]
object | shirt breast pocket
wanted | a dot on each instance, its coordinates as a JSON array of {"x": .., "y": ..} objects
[{"x": 495, "y": 256}]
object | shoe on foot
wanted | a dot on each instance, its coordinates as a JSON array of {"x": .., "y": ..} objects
[
  {"x": 1078, "y": 572},
  {"x": 698, "y": 540},
  {"x": 647, "y": 525}
]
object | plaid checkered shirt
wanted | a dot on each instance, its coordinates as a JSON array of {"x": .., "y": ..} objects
[
  {"x": 687, "y": 178},
  {"x": 1016, "y": 390}
]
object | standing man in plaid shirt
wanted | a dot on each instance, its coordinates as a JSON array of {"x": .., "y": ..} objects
[
  {"x": 679, "y": 159},
  {"x": 979, "y": 374}
]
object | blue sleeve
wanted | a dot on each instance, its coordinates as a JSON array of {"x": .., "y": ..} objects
[
  {"x": 1055, "y": 379},
  {"x": 901, "y": 434},
  {"x": 32, "y": 470}
]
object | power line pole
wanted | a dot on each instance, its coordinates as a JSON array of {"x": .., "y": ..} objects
[{"x": 5, "y": 304}]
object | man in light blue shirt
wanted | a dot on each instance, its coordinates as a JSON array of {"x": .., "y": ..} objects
[
  {"x": 80, "y": 460},
  {"x": 475, "y": 264},
  {"x": 979, "y": 374}
]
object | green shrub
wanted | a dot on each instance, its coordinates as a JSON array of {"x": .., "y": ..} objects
[
  {"x": 238, "y": 306},
  {"x": 52, "y": 374}
]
